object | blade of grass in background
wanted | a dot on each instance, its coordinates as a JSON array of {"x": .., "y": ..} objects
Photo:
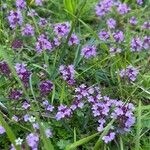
[
  {"x": 138, "y": 127},
  {"x": 9, "y": 132}
]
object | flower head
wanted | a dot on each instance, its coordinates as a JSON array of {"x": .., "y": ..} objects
[
  {"x": 73, "y": 40},
  {"x": 136, "y": 44},
  {"x": 15, "y": 18},
  {"x": 21, "y": 4},
  {"x": 111, "y": 23},
  {"x": 88, "y": 51},
  {"x": 118, "y": 36},
  {"x": 2, "y": 130},
  {"x": 46, "y": 87},
  {"x": 123, "y": 9},
  {"x": 28, "y": 30},
  {"x": 68, "y": 73},
  {"x": 104, "y": 35}
]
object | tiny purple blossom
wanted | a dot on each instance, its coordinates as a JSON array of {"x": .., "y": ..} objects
[
  {"x": 38, "y": 2},
  {"x": 62, "y": 29},
  {"x": 123, "y": 9},
  {"x": 139, "y": 2},
  {"x": 146, "y": 25},
  {"x": 21, "y": 4},
  {"x": 103, "y": 7},
  {"x": 73, "y": 40},
  {"x": 88, "y": 51},
  {"x": 28, "y": 30},
  {"x": 146, "y": 42},
  {"x": 104, "y": 35},
  {"x": 118, "y": 36},
  {"x": 32, "y": 140},
  {"x": 25, "y": 105},
  {"x": 15, "y": 118},
  {"x": 111, "y": 23},
  {"x": 42, "y": 22},
  {"x": 133, "y": 20},
  {"x": 114, "y": 50},
  {"x": 50, "y": 108},
  {"x": 4, "y": 68},
  {"x": 48, "y": 133},
  {"x": 15, "y": 18},
  {"x": 2, "y": 130},
  {"x": 108, "y": 138},
  {"x": 32, "y": 13},
  {"x": 136, "y": 44},
  {"x": 68, "y": 73},
  {"x": 46, "y": 87},
  {"x": 15, "y": 94},
  {"x": 43, "y": 44}
]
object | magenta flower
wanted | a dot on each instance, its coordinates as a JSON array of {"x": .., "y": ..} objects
[{"x": 88, "y": 51}]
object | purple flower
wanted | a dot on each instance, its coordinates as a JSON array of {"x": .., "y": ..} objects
[
  {"x": 68, "y": 73},
  {"x": 28, "y": 30},
  {"x": 114, "y": 50},
  {"x": 42, "y": 22},
  {"x": 32, "y": 13},
  {"x": 77, "y": 104},
  {"x": 15, "y": 18},
  {"x": 46, "y": 87},
  {"x": 15, "y": 118},
  {"x": 111, "y": 23},
  {"x": 17, "y": 44},
  {"x": 25, "y": 105},
  {"x": 32, "y": 140},
  {"x": 61, "y": 29},
  {"x": 136, "y": 44},
  {"x": 118, "y": 36},
  {"x": 56, "y": 42},
  {"x": 35, "y": 126},
  {"x": 26, "y": 118},
  {"x": 38, "y": 2},
  {"x": 73, "y": 40},
  {"x": 133, "y": 20},
  {"x": 129, "y": 72},
  {"x": 43, "y": 44},
  {"x": 15, "y": 94},
  {"x": 123, "y": 9},
  {"x": 50, "y": 108},
  {"x": 146, "y": 42},
  {"x": 48, "y": 133},
  {"x": 103, "y": 7},
  {"x": 146, "y": 25},
  {"x": 139, "y": 2},
  {"x": 21, "y": 4},
  {"x": 108, "y": 138},
  {"x": 2, "y": 130},
  {"x": 88, "y": 51},
  {"x": 63, "y": 112},
  {"x": 4, "y": 68},
  {"x": 104, "y": 35},
  {"x": 23, "y": 73}
]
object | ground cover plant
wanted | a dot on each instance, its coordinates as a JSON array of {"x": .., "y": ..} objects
[{"x": 74, "y": 75}]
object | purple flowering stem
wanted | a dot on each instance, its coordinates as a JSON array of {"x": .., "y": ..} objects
[{"x": 106, "y": 129}]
